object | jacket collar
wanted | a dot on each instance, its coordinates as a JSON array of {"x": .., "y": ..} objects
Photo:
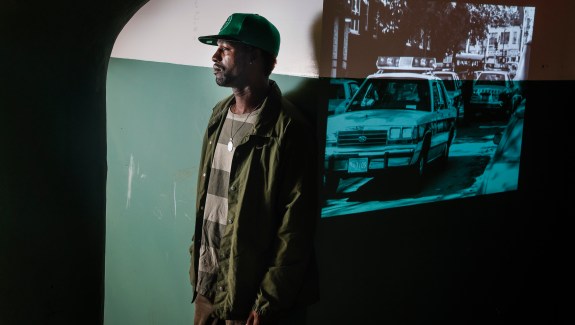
[{"x": 268, "y": 116}]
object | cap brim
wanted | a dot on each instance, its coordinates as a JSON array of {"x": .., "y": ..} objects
[{"x": 213, "y": 39}]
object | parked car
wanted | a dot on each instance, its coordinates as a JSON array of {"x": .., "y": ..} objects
[
  {"x": 469, "y": 75},
  {"x": 495, "y": 93},
  {"x": 453, "y": 85},
  {"x": 502, "y": 172},
  {"x": 476, "y": 74},
  {"x": 395, "y": 121},
  {"x": 340, "y": 92}
]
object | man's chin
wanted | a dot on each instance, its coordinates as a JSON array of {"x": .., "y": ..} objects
[{"x": 223, "y": 82}]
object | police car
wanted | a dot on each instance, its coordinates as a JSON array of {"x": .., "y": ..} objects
[
  {"x": 405, "y": 64},
  {"x": 395, "y": 121}
]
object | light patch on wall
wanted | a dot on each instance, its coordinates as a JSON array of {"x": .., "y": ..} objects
[
  {"x": 130, "y": 179},
  {"x": 168, "y": 31}
]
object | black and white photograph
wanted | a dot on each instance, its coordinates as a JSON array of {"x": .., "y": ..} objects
[{"x": 426, "y": 101}]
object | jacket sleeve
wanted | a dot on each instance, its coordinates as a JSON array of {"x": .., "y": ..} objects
[{"x": 298, "y": 213}]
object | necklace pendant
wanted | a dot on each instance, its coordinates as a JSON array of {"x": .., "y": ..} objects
[{"x": 230, "y": 145}]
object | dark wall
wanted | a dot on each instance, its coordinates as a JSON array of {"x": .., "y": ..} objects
[
  {"x": 495, "y": 259},
  {"x": 54, "y": 61}
]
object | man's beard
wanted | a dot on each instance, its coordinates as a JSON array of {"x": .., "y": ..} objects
[{"x": 226, "y": 80}]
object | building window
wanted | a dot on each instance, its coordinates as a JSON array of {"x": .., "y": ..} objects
[
  {"x": 492, "y": 39},
  {"x": 504, "y": 38},
  {"x": 355, "y": 7}
]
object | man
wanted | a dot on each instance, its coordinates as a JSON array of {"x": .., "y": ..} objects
[{"x": 252, "y": 256}]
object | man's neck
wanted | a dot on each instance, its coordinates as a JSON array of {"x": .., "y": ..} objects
[{"x": 249, "y": 98}]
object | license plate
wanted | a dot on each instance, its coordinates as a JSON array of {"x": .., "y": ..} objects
[{"x": 357, "y": 165}]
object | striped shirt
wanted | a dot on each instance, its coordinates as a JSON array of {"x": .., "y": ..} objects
[{"x": 216, "y": 208}]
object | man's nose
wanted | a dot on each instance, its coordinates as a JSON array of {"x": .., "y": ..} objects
[{"x": 216, "y": 57}]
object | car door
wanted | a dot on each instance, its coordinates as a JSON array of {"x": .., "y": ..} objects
[{"x": 442, "y": 119}]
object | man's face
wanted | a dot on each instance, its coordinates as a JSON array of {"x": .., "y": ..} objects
[{"x": 231, "y": 61}]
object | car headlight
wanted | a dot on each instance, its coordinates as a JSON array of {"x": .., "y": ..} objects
[
  {"x": 397, "y": 133},
  {"x": 407, "y": 133},
  {"x": 394, "y": 133}
]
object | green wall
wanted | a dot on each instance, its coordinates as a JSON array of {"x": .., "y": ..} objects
[{"x": 156, "y": 114}]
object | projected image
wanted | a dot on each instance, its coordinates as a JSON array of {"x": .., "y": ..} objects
[{"x": 426, "y": 103}]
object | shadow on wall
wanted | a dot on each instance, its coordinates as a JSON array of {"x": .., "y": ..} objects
[{"x": 308, "y": 93}]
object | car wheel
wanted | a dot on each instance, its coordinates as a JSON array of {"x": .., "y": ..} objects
[
  {"x": 421, "y": 165},
  {"x": 419, "y": 170},
  {"x": 445, "y": 155}
]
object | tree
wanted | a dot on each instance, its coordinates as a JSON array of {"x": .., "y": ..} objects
[
  {"x": 435, "y": 28},
  {"x": 412, "y": 27}
]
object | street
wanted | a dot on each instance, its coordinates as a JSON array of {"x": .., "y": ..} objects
[{"x": 470, "y": 152}]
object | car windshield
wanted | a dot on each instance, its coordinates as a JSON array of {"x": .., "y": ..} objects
[
  {"x": 493, "y": 79},
  {"x": 380, "y": 93},
  {"x": 447, "y": 81},
  {"x": 336, "y": 91}
]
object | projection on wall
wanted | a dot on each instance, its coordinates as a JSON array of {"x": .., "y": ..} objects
[{"x": 426, "y": 101}]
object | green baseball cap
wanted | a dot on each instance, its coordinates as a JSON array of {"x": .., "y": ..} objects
[{"x": 251, "y": 29}]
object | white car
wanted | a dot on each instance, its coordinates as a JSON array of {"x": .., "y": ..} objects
[
  {"x": 394, "y": 121},
  {"x": 340, "y": 92},
  {"x": 494, "y": 93},
  {"x": 453, "y": 85}
]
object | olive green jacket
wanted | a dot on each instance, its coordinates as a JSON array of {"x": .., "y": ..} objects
[{"x": 267, "y": 259}]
